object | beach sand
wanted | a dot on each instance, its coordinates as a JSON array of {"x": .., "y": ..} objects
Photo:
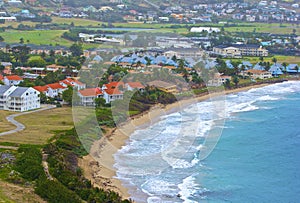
[{"x": 98, "y": 166}]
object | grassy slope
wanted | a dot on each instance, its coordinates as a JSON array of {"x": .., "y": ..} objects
[{"x": 40, "y": 126}]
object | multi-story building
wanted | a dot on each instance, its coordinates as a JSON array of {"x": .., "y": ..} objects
[
  {"x": 20, "y": 99},
  {"x": 239, "y": 50},
  {"x": 181, "y": 53},
  {"x": 227, "y": 51}
]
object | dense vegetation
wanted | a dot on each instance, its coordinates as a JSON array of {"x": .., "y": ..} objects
[{"x": 68, "y": 183}]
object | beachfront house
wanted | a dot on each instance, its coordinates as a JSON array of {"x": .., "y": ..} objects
[
  {"x": 20, "y": 99},
  {"x": 258, "y": 74},
  {"x": 113, "y": 91}
]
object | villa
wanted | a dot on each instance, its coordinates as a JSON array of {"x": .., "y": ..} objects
[
  {"x": 258, "y": 74},
  {"x": 111, "y": 91},
  {"x": 88, "y": 96}
]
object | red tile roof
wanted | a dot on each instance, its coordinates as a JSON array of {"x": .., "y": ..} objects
[
  {"x": 1, "y": 77},
  {"x": 112, "y": 88},
  {"x": 113, "y": 91},
  {"x": 56, "y": 86},
  {"x": 14, "y": 77},
  {"x": 90, "y": 92},
  {"x": 69, "y": 81},
  {"x": 113, "y": 85},
  {"x": 136, "y": 85},
  {"x": 41, "y": 88}
]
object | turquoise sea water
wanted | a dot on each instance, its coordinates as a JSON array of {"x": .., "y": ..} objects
[{"x": 257, "y": 158}]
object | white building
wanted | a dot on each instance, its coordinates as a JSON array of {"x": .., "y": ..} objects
[
  {"x": 12, "y": 80},
  {"x": 88, "y": 96},
  {"x": 207, "y": 29},
  {"x": 74, "y": 83},
  {"x": 111, "y": 91},
  {"x": 20, "y": 99},
  {"x": 55, "y": 90}
]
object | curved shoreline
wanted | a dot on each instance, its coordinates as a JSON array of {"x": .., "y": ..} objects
[{"x": 99, "y": 165}]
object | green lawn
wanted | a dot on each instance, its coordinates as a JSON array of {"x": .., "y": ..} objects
[
  {"x": 36, "y": 37},
  {"x": 280, "y": 59}
]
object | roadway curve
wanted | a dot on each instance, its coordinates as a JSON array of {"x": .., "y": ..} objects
[{"x": 20, "y": 126}]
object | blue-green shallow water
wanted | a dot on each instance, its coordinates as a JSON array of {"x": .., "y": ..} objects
[{"x": 257, "y": 158}]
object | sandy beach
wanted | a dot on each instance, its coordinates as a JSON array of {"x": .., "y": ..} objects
[{"x": 98, "y": 166}]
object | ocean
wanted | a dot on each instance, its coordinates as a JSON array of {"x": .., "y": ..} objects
[{"x": 256, "y": 158}]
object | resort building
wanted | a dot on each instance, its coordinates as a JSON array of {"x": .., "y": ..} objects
[
  {"x": 88, "y": 96},
  {"x": 181, "y": 53},
  {"x": 258, "y": 74},
  {"x": 227, "y": 51},
  {"x": 20, "y": 99},
  {"x": 239, "y": 50}
]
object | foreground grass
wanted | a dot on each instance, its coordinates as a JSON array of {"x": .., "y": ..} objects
[
  {"x": 4, "y": 124},
  {"x": 40, "y": 126},
  {"x": 11, "y": 193}
]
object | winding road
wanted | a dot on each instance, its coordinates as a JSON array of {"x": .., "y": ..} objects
[{"x": 20, "y": 126}]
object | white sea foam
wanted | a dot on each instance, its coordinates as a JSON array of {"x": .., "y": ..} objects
[
  {"x": 267, "y": 98},
  {"x": 159, "y": 187},
  {"x": 188, "y": 188},
  {"x": 171, "y": 142},
  {"x": 154, "y": 200}
]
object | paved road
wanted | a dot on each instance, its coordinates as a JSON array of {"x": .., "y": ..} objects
[{"x": 20, "y": 126}]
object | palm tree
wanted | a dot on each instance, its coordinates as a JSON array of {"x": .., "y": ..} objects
[
  {"x": 274, "y": 60},
  {"x": 235, "y": 80},
  {"x": 284, "y": 64}
]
